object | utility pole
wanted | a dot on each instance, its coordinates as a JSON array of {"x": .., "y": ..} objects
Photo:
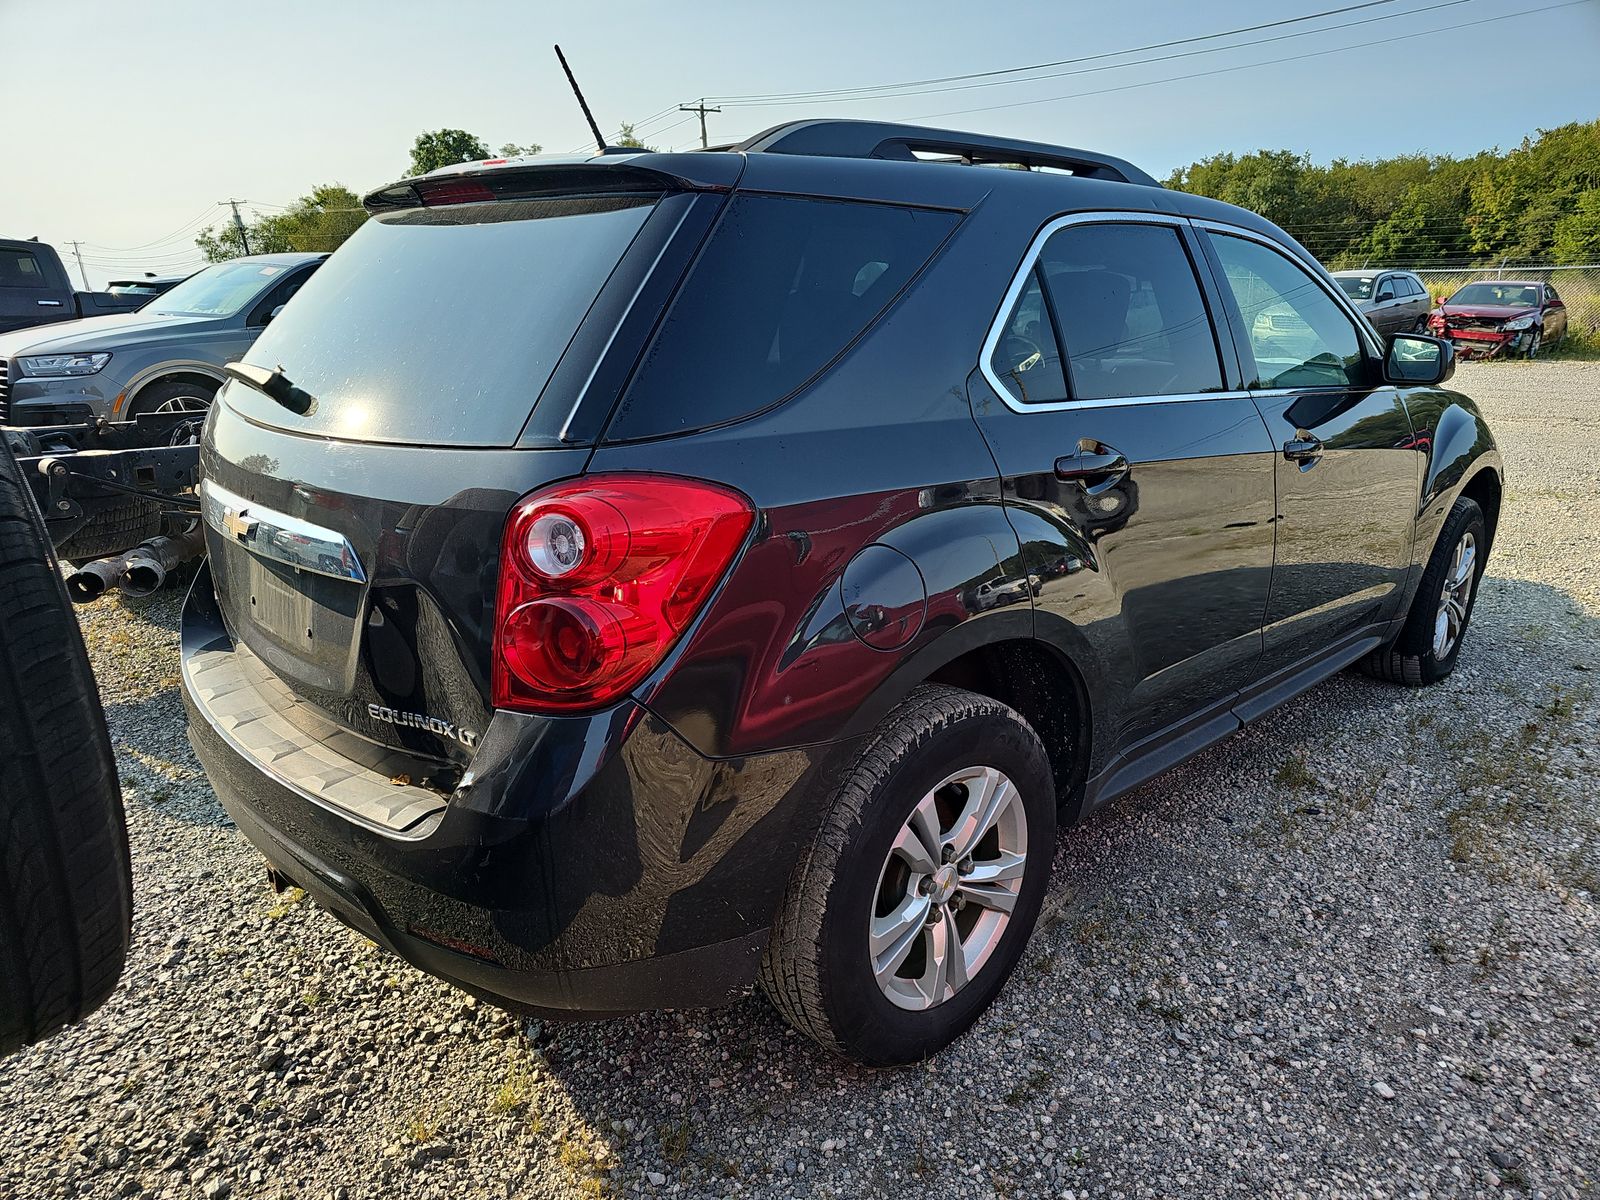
[
  {"x": 244, "y": 238},
  {"x": 78, "y": 254},
  {"x": 702, "y": 110}
]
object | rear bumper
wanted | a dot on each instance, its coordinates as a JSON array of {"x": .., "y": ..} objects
[{"x": 587, "y": 866}]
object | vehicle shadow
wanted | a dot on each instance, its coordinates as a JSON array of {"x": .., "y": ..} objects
[{"x": 1098, "y": 1034}]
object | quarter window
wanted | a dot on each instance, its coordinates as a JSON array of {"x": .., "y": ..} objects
[
  {"x": 1120, "y": 302},
  {"x": 1298, "y": 335},
  {"x": 1027, "y": 358}
]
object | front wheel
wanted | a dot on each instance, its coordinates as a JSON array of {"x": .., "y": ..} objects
[
  {"x": 909, "y": 911},
  {"x": 1430, "y": 642},
  {"x": 1534, "y": 342},
  {"x": 176, "y": 396}
]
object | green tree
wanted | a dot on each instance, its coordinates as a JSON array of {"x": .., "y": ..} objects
[
  {"x": 318, "y": 221},
  {"x": 630, "y": 139},
  {"x": 444, "y": 148},
  {"x": 512, "y": 150},
  {"x": 1577, "y": 237}
]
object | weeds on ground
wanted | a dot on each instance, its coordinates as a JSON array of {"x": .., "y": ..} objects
[
  {"x": 285, "y": 904},
  {"x": 675, "y": 1139},
  {"x": 1035, "y": 1083},
  {"x": 586, "y": 1157},
  {"x": 1293, "y": 773},
  {"x": 515, "y": 1091},
  {"x": 422, "y": 1125}
]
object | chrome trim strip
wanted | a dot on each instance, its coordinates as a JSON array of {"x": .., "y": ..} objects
[
  {"x": 644, "y": 281},
  {"x": 273, "y": 535},
  {"x": 1020, "y": 281}
]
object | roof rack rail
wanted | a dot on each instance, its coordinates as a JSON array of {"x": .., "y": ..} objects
[{"x": 876, "y": 139}]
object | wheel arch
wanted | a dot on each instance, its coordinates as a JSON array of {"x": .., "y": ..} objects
[
  {"x": 170, "y": 372},
  {"x": 1003, "y": 656}
]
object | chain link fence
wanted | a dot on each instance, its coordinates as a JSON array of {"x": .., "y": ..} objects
[{"x": 1578, "y": 286}]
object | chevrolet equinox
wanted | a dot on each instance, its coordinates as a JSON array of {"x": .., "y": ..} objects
[{"x": 636, "y": 578}]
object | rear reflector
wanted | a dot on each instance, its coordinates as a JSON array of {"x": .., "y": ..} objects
[{"x": 598, "y": 578}]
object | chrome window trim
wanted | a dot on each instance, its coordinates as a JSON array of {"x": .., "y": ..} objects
[
  {"x": 253, "y": 526},
  {"x": 1320, "y": 276},
  {"x": 1019, "y": 281}
]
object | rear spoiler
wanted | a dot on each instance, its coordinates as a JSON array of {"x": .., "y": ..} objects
[{"x": 530, "y": 179}]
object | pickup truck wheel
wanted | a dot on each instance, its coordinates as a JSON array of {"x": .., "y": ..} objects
[
  {"x": 65, "y": 882},
  {"x": 1430, "y": 642},
  {"x": 173, "y": 396},
  {"x": 909, "y": 911}
]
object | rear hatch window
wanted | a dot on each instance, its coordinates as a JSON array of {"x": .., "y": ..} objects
[
  {"x": 781, "y": 290},
  {"x": 441, "y": 326}
]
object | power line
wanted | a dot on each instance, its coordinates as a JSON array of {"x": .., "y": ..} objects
[
  {"x": 173, "y": 236},
  {"x": 1140, "y": 62},
  {"x": 1064, "y": 62},
  {"x": 1527, "y": 12}
]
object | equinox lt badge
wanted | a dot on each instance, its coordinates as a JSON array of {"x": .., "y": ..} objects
[{"x": 411, "y": 720}]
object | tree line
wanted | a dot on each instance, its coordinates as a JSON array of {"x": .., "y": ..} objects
[{"x": 1537, "y": 203}]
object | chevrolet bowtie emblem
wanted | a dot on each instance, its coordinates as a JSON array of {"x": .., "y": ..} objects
[{"x": 240, "y": 524}]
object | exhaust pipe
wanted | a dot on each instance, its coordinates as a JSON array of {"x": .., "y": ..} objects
[
  {"x": 145, "y": 567},
  {"x": 91, "y": 581}
]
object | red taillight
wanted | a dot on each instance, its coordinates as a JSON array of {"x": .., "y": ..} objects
[
  {"x": 453, "y": 191},
  {"x": 598, "y": 577}
]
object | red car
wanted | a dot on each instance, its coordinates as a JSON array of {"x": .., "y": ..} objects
[{"x": 1501, "y": 317}]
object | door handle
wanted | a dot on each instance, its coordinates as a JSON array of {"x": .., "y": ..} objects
[
  {"x": 1096, "y": 466},
  {"x": 1304, "y": 448}
]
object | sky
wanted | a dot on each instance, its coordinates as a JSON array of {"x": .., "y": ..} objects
[{"x": 133, "y": 120}]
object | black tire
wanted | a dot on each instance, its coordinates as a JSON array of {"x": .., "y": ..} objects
[
  {"x": 65, "y": 883},
  {"x": 121, "y": 525},
  {"x": 166, "y": 392},
  {"x": 1534, "y": 345},
  {"x": 1412, "y": 659},
  {"x": 817, "y": 968}
]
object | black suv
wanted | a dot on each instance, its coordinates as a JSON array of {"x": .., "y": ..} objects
[{"x": 634, "y": 578}]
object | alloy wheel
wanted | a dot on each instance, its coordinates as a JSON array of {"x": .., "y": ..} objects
[
  {"x": 178, "y": 404},
  {"x": 1455, "y": 596},
  {"x": 948, "y": 887}
]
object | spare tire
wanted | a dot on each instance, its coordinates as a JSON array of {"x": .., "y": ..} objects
[
  {"x": 66, "y": 888},
  {"x": 112, "y": 528}
]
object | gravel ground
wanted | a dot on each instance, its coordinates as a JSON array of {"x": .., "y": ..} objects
[{"x": 1351, "y": 951}]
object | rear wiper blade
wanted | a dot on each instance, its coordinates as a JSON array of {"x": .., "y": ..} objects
[{"x": 274, "y": 384}]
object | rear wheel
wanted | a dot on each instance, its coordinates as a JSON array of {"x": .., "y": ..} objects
[
  {"x": 910, "y": 909},
  {"x": 1430, "y": 643},
  {"x": 65, "y": 883}
]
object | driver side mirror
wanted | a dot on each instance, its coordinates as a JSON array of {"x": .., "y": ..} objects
[
  {"x": 271, "y": 315},
  {"x": 1414, "y": 360}
]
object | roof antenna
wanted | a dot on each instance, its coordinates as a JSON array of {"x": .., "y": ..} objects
[{"x": 582, "y": 103}]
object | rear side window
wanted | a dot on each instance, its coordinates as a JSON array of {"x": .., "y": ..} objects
[
  {"x": 441, "y": 326},
  {"x": 1129, "y": 312},
  {"x": 781, "y": 289},
  {"x": 19, "y": 268}
]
